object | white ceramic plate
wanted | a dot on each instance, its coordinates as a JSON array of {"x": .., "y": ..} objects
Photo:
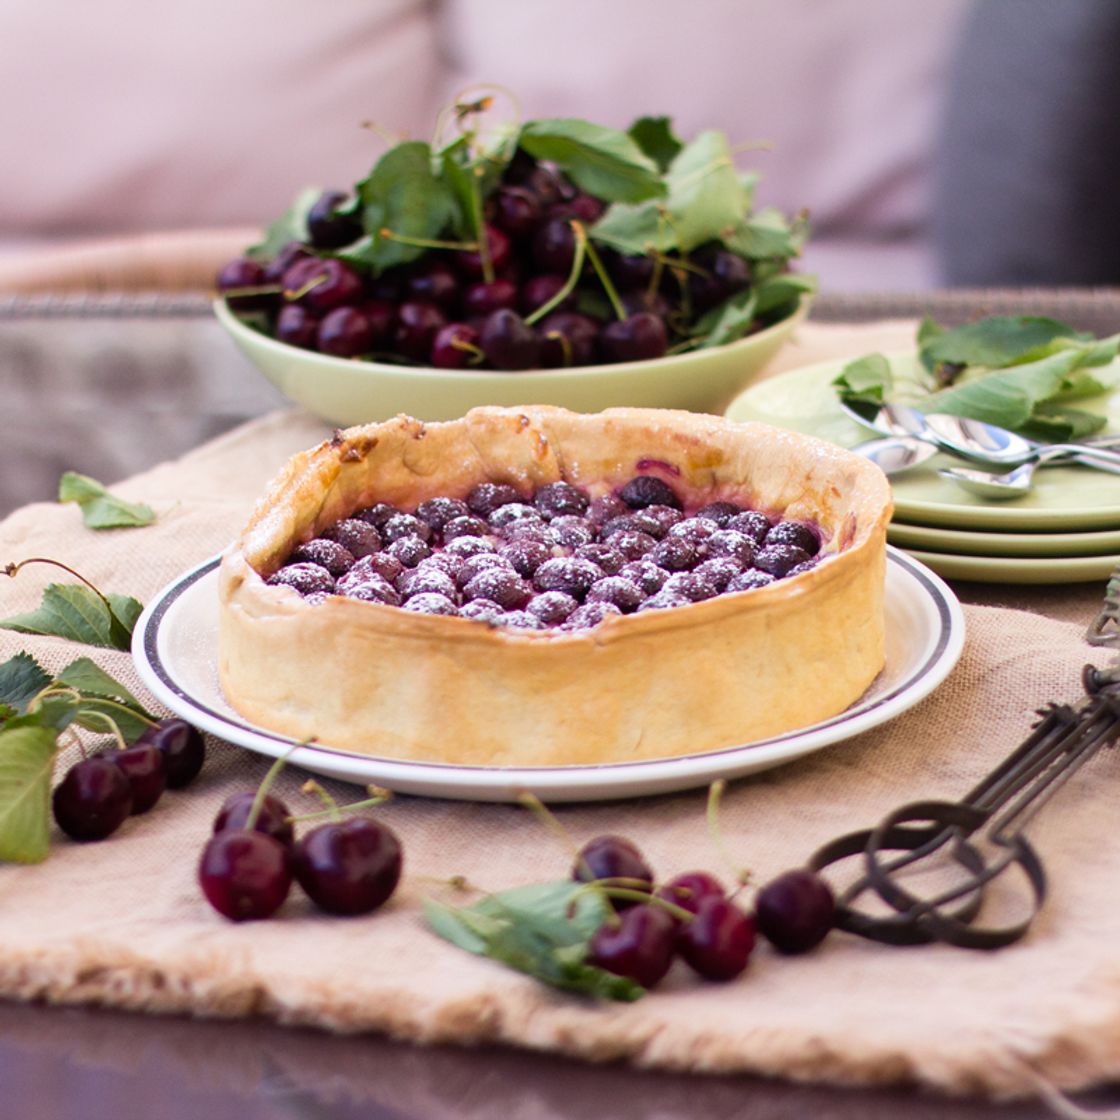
[{"x": 175, "y": 646}]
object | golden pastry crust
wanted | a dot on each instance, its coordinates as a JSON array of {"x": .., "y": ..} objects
[{"x": 379, "y": 680}]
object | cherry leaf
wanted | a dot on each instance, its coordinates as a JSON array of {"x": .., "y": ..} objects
[
  {"x": 706, "y": 198},
  {"x": 602, "y": 161},
  {"x": 403, "y": 201},
  {"x": 100, "y": 509},
  {"x": 730, "y": 321},
  {"x": 995, "y": 341},
  {"x": 27, "y": 754},
  {"x": 21, "y": 679},
  {"x": 542, "y": 930},
  {"x": 655, "y": 136},
  {"x": 104, "y": 696},
  {"x": 71, "y": 611},
  {"x": 866, "y": 380}
]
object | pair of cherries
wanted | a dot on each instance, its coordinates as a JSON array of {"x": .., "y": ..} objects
[{"x": 346, "y": 866}]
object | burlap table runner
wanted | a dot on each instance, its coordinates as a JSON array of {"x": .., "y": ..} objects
[{"x": 122, "y": 923}]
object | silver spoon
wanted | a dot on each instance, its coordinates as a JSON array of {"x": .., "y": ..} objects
[
  {"x": 992, "y": 486},
  {"x": 966, "y": 438},
  {"x": 987, "y": 443},
  {"x": 1017, "y": 482},
  {"x": 895, "y": 454}
]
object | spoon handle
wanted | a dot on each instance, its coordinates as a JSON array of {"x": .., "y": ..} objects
[{"x": 1099, "y": 457}]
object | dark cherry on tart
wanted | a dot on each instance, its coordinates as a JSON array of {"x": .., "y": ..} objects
[
  {"x": 539, "y": 587},
  {"x": 544, "y": 560}
]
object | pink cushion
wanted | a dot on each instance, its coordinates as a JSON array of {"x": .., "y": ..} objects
[{"x": 160, "y": 116}]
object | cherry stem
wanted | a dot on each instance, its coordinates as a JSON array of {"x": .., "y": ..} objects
[
  {"x": 14, "y": 569},
  {"x": 253, "y": 290},
  {"x": 330, "y": 806},
  {"x": 107, "y": 721},
  {"x": 752, "y": 146},
  {"x": 678, "y": 912},
  {"x": 715, "y": 795},
  {"x": 476, "y": 353},
  {"x": 565, "y": 345},
  {"x": 293, "y": 294},
  {"x": 604, "y": 888},
  {"x": 56, "y": 689},
  {"x": 456, "y": 882},
  {"x": 333, "y": 810},
  {"x": 681, "y": 347},
  {"x": 570, "y": 283},
  {"x": 73, "y": 739},
  {"x": 110, "y": 725},
  {"x": 428, "y": 242},
  {"x": 549, "y": 819},
  {"x": 600, "y": 270},
  {"x": 382, "y": 133},
  {"x": 465, "y": 109},
  {"x": 266, "y": 784},
  {"x": 484, "y": 257}
]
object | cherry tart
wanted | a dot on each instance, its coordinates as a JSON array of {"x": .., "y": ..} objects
[{"x": 534, "y": 587}]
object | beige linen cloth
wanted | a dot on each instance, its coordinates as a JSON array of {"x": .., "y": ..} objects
[{"x": 122, "y": 923}]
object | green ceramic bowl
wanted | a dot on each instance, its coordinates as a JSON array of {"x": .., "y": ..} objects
[{"x": 347, "y": 391}]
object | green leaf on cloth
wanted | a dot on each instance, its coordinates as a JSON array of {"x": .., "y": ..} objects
[
  {"x": 27, "y": 756},
  {"x": 69, "y": 610},
  {"x": 103, "y": 696},
  {"x": 543, "y": 930},
  {"x": 100, "y": 509},
  {"x": 22, "y": 678}
]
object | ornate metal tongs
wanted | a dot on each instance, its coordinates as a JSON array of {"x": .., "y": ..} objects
[{"x": 993, "y": 814}]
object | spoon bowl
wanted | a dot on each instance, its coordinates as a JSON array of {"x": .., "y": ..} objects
[
  {"x": 895, "y": 454},
  {"x": 991, "y": 485}
]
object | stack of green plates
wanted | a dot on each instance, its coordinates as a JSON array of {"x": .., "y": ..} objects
[{"x": 1066, "y": 530}]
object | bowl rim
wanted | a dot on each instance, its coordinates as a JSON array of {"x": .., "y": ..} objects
[{"x": 239, "y": 329}]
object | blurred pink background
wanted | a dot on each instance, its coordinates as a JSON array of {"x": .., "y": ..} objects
[{"x": 124, "y": 117}]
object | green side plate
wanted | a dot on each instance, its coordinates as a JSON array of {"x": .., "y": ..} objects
[
  {"x": 1064, "y": 498},
  {"x": 1007, "y": 569},
  {"x": 931, "y": 538}
]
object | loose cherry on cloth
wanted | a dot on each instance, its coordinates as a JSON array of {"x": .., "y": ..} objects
[{"x": 848, "y": 1012}]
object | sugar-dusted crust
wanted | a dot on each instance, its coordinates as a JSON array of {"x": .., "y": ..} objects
[{"x": 383, "y": 681}]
